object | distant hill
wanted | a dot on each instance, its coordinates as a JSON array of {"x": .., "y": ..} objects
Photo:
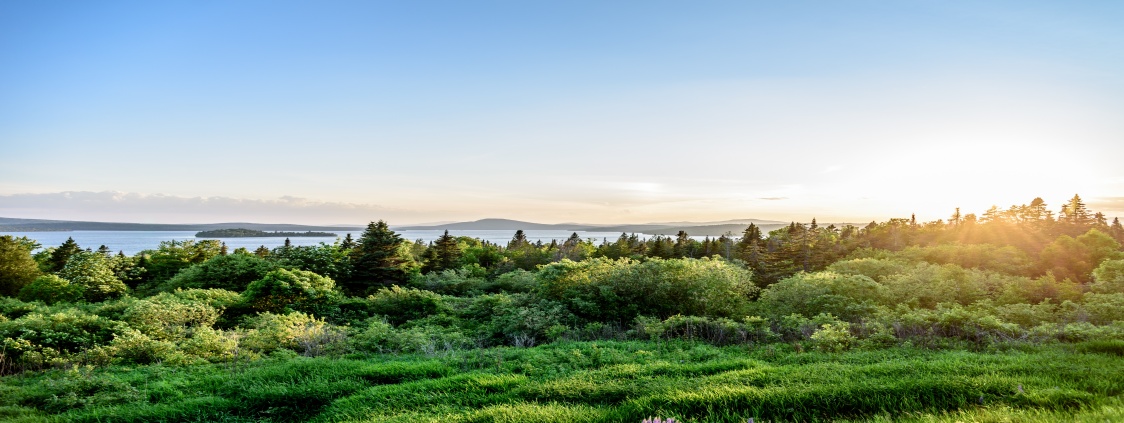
[
  {"x": 38, "y": 225},
  {"x": 693, "y": 228},
  {"x": 491, "y": 225}
]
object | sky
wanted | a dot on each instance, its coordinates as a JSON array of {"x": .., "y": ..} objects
[{"x": 341, "y": 112}]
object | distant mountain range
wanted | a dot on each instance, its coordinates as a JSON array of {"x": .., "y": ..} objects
[
  {"x": 719, "y": 228},
  {"x": 671, "y": 228},
  {"x": 39, "y": 225}
]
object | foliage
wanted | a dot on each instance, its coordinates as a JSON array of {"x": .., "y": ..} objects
[
  {"x": 1108, "y": 277},
  {"x": 17, "y": 268},
  {"x": 400, "y": 305},
  {"x": 91, "y": 271},
  {"x": 619, "y": 290},
  {"x": 284, "y": 290},
  {"x": 48, "y": 338},
  {"x": 294, "y": 331},
  {"x": 332, "y": 261},
  {"x": 172, "y": 256},
  {"x": 51, "y": 289},
  {"x": 808, "y": 294},
  {"x": 232, "y": 272},
  {"x": 377, "y": 260}
]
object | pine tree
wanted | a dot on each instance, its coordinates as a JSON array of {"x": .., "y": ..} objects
[
  {"x": 347, "y": 243},
  {"x": 104, "y": 250},
  {"x": 376, "y": 261},
  {"x": 224, "y": 250},
  {"x": 1117, "y": 230},
  {"x": 682, "y": 245},
  {"x": 517, "y": 241},
  {"x": 261, "y": 252},
  {"x": 445, "y": 255},
  {"x": 1074, "y": 212},
  {"x": 62, "y": 254}
]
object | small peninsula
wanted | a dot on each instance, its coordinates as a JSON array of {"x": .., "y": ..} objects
[{"x": 253, "y": 233}]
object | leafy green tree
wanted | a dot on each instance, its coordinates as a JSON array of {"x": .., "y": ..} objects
[
  {"x": 232, "y": 272},
  {"x": 282, "y": 291},
  {"x": 17, "y": 268},
  {"x": 172, "y": 256},
  {"x": 51, "y": 289},
  {"x": 61, "y": 254},
  {"x": 377, "y": 261},
  {"x": 92, "y": 272},
  {"x": 324, "y": 259}
]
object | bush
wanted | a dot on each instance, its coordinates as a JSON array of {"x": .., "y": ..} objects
[
  {"x": 849, "y": 297},
  {"x": 232, "y": 272},
  {"x": 294, "y": 331},
  {"x": 92, "y": 272},
  {"x": 401, "y": 305},
  {"x": 833, "y": 337},
  {"x": 51, "y": 289},
  {"x": 290, "y": 290},
  {"x": 39, "y": 339},
  {"x": 380, "y": 337},
  {"x": 1108, "y": 278},
  {"x": 167, "y": 317},
  {"x": 607, "y": 290},
  {"x": 449, "y": 282}
]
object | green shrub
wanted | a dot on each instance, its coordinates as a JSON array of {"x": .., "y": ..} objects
[
  {"x": 400, "y": 305},
  {"x": 51, "y": 289},
  {"x": 232, "y": 272},
  {"x": 449, "y": 282},
  {"x": 833, "y": 337},
  {"x": 380, "y": 337},
  {"x": 1112, "y": 347},
  {"x": 44, "y": 338},
  {"x": 847, "y": 296},
  {"x": 293, "y": 331},
  {"x": 1103, "y": 309},
  {"x": 92, "y": 272},
  {"x": 167, "y": 317},
  {"x": 285, "y": 290},
  {"x": 606, "y": 290},
  {"x": 1108, "y": 278}
]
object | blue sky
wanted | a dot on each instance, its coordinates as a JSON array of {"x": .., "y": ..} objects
[{"x": 343, "y": 112}]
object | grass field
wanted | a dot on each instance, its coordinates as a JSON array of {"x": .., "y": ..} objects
[{"x": 595, "y": 382}]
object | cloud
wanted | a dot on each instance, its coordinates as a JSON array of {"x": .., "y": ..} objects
[
  {"x": 160, "y": 208},
  {"x": 772, "y": 198},
  {"x": 1112, "y": 206}
]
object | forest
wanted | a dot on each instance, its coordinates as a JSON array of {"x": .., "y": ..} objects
[{"x": 1015, "y": 314}]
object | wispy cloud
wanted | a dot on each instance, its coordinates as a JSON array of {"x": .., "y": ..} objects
[
  {"x": 772, "y": 198},
  {"x": 160, "y": 208}
]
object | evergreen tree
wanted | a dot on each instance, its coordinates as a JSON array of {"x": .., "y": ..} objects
[
  {"x": 224, "y": 250},
  {"x": 376, "y": 261},
  {"x": 517, "y": 241},
  {"x": 1074, "y": 212},
  {"x": 1117, "y": 230},
  {"x": 261, "y": 252},
  {"x": 62, "y": 254},
  {"x": 347, "y": 243},
  {"x": 104, "y": 250},
  {"x": 288, "y": 243},
  {"x": 682, "y": 245},
  {"x": 444, "y": 254}
]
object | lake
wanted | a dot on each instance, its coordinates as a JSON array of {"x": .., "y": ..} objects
[{"x": 132, "y": 242}]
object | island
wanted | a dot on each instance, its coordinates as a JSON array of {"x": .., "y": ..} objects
[{"x": 253, "y": 233}]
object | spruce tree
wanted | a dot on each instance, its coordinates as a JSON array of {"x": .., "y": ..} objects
[
  {"x": 62, "y": 254},
  {"x": 375, "y": 260},
  {"x": 444, "y": 254},
  {"x": 347, "y": 243},
  {"x": 1074, "y": 212}
]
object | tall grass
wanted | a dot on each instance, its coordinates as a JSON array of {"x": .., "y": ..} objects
[{"x": 595, "y": 382}]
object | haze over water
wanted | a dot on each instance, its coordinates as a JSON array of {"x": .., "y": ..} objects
[{"x": 132, "y": 242}]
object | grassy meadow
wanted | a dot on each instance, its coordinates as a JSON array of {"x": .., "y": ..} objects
[{"x": 606, "y": 381}]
